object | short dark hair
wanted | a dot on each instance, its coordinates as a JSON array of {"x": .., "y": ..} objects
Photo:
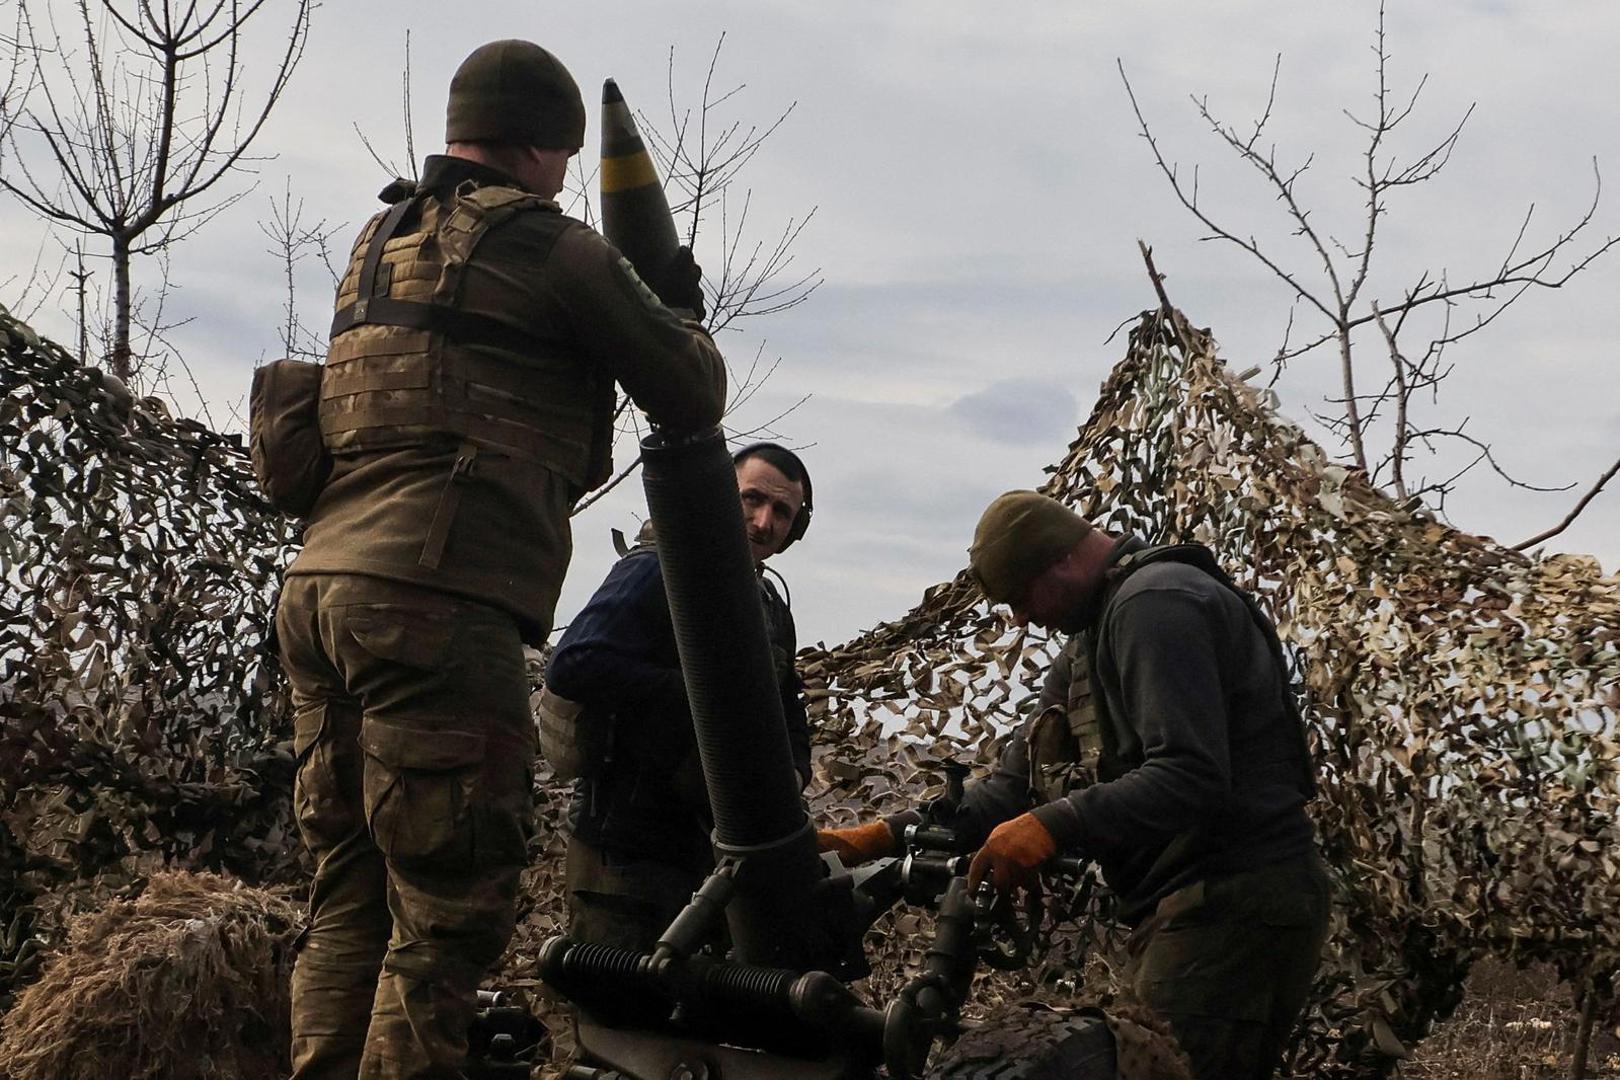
[{"x": 779, "y": 458}]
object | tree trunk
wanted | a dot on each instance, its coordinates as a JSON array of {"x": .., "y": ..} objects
[{"x": 121, "y": 363}]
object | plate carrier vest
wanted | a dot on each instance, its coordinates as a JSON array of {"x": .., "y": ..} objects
[{"x": 408, "y": 365}]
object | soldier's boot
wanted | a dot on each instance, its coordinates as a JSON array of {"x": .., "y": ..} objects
[{"x": 419, "y": 1020}]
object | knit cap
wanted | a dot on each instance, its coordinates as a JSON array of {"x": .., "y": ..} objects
[{"x": 1019, "y": 536}]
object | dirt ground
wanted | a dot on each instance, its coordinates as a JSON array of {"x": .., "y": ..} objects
[{"x": 1513, "y": 1025}]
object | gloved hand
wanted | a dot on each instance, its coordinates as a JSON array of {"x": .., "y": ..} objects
[
  {"x": 1013, "y": 854},
  {"x": 859, "y": 843},
  {"x": 680, "y": 283}
]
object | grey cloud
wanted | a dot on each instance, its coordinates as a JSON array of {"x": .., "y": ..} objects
[{"x": 1019, "y": 411}]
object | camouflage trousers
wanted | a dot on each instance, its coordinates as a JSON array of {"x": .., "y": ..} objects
[
  {"x": 415, "y": 753},
  {"x": 1229, "y": 961}
]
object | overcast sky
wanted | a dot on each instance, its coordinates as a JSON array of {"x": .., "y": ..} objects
[{"x": 979, "y": 186}]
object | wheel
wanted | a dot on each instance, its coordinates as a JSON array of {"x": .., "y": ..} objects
[{"x": 1029, "y": 1041}]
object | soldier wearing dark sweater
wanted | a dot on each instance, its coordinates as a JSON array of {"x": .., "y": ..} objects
[{"x": 1166, "y": 746}]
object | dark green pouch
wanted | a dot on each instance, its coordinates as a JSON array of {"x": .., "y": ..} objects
[{"x": 284, "y": 435}]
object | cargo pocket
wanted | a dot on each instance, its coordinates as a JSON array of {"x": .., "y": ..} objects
[
  {"x": 406, "y": 638},
  {"x": 421, "y": 789},
  {"x": 322, "y": 754}
]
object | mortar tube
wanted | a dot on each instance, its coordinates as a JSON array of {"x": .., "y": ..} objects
[{"x": 731, "y": 686}]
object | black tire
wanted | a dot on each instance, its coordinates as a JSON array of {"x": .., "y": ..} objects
[{"x": 1030, "y": 1042}]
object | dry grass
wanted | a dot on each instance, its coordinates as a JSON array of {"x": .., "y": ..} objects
[
  {"x": 1513, "y": 1025},
  {"x": 187, "y": 982}
]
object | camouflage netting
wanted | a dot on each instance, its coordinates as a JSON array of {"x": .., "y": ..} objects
[
  {"x": 1463, "y": 697},
  {"x": 138, "y": 704},
  {"x": 190, "y": 980}
]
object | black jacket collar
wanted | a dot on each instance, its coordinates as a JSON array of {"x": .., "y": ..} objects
[{"x": 446, "y": 172}]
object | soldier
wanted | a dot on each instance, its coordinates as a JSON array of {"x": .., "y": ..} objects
[
  {"x": 639, "y": 821},
  {"x": 1167, "y": 747},
  {"x": 467, "y": 401}
]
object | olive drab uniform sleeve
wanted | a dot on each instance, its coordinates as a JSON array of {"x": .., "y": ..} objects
[{"x": 668, "y": 365}]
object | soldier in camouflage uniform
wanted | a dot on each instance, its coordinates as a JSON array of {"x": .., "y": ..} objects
[
  {"x": 467, "y": 401},
  {"x": 1166, "y": 746}
]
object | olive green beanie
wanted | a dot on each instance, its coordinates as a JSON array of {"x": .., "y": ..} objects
[
  {"x": 515, "y": 92},
  {"x": 1019, "y": 536}
]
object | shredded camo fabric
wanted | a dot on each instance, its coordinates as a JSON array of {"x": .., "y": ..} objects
[{"x": 1462, "y": 698}]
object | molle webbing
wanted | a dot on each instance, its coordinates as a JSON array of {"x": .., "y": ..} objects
[
  {"x": 408, "y": 363},
  {"x": 1083, "y": 707},
  {"x": 374, "y": 305}
]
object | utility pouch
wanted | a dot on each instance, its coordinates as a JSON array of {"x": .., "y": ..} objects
[
  {"x": 1054, "y": 756},
  {"x": 573, "y": 741},
  {"x": 284, "y": 435}
]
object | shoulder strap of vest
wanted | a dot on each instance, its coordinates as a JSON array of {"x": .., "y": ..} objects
[
  {"x": 379, "y": 239},
  {"x": 494, "y": 203},
  {"x": 465, "y": 327},
  {"x": 1192, "y": 554}
]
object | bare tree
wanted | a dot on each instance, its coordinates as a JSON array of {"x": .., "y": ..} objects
[
  {"x": 292, "y": 242},
  {"x": 407, "y": 127},
  {"x": 702, "y": 151},
  {"x": 702, "y": 154},
  {"x": 1377, "y": 415},
  {"x": 16, "y": 78},
  {"x": 135, "y": 118}
]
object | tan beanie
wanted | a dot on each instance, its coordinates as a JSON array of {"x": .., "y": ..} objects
[{"x": 1019, "y": 536}]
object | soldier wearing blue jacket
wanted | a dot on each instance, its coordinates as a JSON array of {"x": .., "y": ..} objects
[{"x": 639, "y": 820}]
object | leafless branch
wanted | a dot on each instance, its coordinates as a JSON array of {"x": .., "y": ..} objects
[
  {"x": 1402, "y": 403},
  {"x": 579, "y": 189},
  {"x": 701, "y": 155},
  {"x": 1486, "y": 455},
  {"x": 1569, "y": 518},
  {"x": 138, "y": 118},
  {"x": 291, "y": 243},
  {"x": 618, "y": 478},
  {"x": 767, "y": 427},
  {"x": 407, "y": 127},
  {"x": 1188, "y": 198},
  {"x": 1344, "y": 271}
]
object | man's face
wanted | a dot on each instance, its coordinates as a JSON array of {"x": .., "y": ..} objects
[
  {"x": 1056, "y": 599},
  {"x": 770, "y": 503}
]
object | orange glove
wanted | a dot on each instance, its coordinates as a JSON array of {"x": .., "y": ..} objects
[
  {"x": 1012, "y": 854},
  {"x": 858, "y": 844}
]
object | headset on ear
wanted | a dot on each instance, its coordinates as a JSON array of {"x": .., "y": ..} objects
[{"x": 767, "y": 451}]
